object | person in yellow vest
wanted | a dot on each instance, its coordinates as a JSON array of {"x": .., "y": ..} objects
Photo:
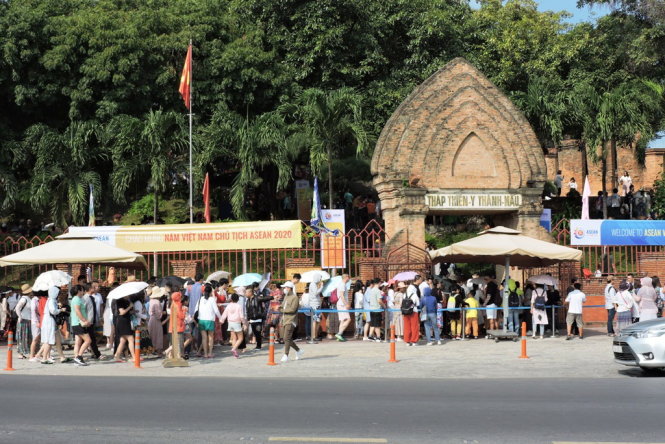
[{"x": 471, "y": 305}]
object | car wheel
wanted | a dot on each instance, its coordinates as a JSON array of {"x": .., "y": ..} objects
[{"x": 650, "y": 371}]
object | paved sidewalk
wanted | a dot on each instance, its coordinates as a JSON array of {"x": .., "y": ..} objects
[{"x": 480, "y": 358}]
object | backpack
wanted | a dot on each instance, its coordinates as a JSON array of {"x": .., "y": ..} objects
[
  {"x": 333, "y": 297},
  {"x": 407, "y": 306},
  {"x": 539, "y": 302},
  {"x": 513, "y": 299}
]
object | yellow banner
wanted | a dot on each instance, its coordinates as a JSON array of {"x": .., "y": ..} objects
[{"x": 197, "y": 237}]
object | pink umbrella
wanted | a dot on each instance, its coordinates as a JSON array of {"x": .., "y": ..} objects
[{"x": 404, "y": 276}]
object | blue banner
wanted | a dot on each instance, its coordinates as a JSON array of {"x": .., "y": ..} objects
[{"x": 617, "y": 232}]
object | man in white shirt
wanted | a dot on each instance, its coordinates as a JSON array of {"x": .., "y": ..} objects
[
  {"x": 610, "y": 297},
  {"x": 574, "y": 301},
  {"x": 425, "y": 284},
  {"x": 343, "y": 303}
]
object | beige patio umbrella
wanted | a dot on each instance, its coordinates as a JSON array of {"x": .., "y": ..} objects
[
  {"x": 505, "y": 246},
  {"x": 75, "y": 248}
]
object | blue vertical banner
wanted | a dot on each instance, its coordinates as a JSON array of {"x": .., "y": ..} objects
[{"x": 546, "y": 219}]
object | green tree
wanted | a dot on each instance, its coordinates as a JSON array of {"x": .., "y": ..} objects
[
  {"x": 65, "y": 164},
  {"x": 630, "y": 113},
  {"x": 331, "y": 123},
  {"x": 150, "y": 151}
]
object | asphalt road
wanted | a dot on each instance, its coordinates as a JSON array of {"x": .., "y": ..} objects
[{"x": 94, "y": 409}]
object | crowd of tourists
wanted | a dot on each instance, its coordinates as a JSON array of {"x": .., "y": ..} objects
[
  {"x": 632, "y": 300},
  {"x": 212, "y": 314}
]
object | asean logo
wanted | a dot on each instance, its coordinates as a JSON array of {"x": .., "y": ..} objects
[
  {"x": 579, "y": 233},
  {"x": 328, "y": 216}
]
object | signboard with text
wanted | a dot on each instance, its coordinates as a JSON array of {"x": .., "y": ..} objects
[
  {"x": 476, "y": 201},
  {"x": 617, "y": 232},
  {"x": 333, "y": 247},
  {"x": 198, "y": 237}
]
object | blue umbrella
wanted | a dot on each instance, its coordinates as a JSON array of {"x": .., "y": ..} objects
[
  {"x": 247, "y": 279},
  {"x": 333, "y": 283}
]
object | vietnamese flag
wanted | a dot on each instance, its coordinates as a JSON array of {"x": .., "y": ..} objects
[
  {"x": 206, "y": 198},
  {"x": 186, "y": 78}
]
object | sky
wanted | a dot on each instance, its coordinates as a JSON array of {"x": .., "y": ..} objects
[
  {"x": 579, "y": 15},
  {"x": 584, "y": 14}
]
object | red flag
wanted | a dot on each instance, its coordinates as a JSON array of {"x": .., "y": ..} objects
[
  {"x": 206, "y": 198},
  {"x": 186, "y": 78}
]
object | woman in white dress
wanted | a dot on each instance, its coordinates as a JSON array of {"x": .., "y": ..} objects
[
  {"x": 50, "y": 334},
  {"x": 108, "y": 325}
]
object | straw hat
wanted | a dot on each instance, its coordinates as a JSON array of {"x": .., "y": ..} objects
[
  {"x": 157, "y": 292},
  {"x": 26, "y": 289},
  {"x": 401, "y": 285},
  {"x": 131, "y": 278}
]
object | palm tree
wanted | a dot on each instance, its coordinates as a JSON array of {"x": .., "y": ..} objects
[
  {"x": 64, "y": 166},
  {"x": 330, "y": 121},
  {"x": 629, "y": 113},
  {"x": 262, "y": 149},
  {"x": 154, "y": 146},
  {"x": 546, "y": 106}
]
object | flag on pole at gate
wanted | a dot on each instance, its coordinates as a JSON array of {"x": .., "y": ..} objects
[
  {"x": 91, "y": 208},
  {"x": 206, "y": 198},
  {"x": 585, "y": 198},
  {"x": 186, "y": 78},
  {"x": 316, "y": 222}
]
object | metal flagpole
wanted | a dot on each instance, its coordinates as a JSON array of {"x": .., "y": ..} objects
[{"x": 191, "y": 185}]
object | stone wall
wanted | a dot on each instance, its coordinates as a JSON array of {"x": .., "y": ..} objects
[{"x": 568, "y": 158}]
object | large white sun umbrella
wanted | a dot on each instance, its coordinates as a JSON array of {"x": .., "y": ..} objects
[
  {"x": 505, "y": 246},
  {"x": 315, "y": 276},
  {"x": 53, "y": 278},
  {"x": 544, "y": 279},
  {"x": 75, "y": 248},
  {"x": 126, "y": 289},
  {"x": 217, "y": 275}
]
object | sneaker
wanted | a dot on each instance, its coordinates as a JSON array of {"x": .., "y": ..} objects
[
  {"x": 366, "y": 339},
  {"x": 35, "y": 359},
  {"x": 542, "y": 337},
  {"x": 581, "y": 337},
  {"x": 312, "y": 342},
  {"x": 414, "y": 344},
  {"x": 285, "y": 358},
  {"x": 377, "y": 340},
  {"x": 568, "y": 338},
  {"x": 340, "y": 338},
  {"x": 299, "y": 355},
  {"x": 430, "y": 343},
  {"x": 399, "y": 340},
  {"x": 438, "y": 343},
  {"x": 79, "y": 360},
  {"x": 48, "y": 361}
]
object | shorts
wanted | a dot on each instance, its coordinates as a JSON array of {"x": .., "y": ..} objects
[
  {"x": 36, "y": 331},
  {"x": 491, "y": 314},
  {"x": 343, "y": 315},
  {"x": 78, "y": 330},
  {"x": 575, "y": 317},
  {"x": 375, "y": 319},
  {"x": 235, "y": 327},
  {"x": 206, "y": 325},
  {"x": 316, "y": 317}
]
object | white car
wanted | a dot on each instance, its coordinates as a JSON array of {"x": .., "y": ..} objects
[{"x": 642, "y": 345}]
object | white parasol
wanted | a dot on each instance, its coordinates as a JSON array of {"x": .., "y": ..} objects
[
  {"x": 126, "y": 289},
  {"x": 53, "y": 278}
]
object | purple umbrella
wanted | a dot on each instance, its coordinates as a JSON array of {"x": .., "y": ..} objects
[{"x": 404, "y": 276}]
